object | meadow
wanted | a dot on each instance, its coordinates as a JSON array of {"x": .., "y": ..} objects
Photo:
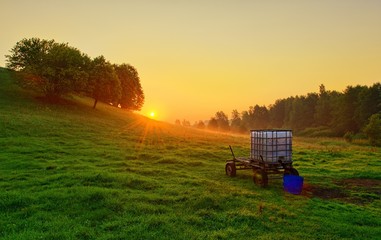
[{"x": 68, "y": 171}]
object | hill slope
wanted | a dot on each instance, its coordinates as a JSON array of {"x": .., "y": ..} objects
[{"x": 71, "y": 172}]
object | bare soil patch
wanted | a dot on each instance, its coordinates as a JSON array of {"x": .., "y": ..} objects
[
  {"x": 368, "y": 185},
  {"x": 354, "y": 190}
]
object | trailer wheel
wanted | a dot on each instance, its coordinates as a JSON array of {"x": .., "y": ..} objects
[
  {"x": 260, "y": 178},
  {"x": 291, "y": 171},
  {"x": 230, "y": 169}
]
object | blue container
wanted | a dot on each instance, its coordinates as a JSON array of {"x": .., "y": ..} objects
[{"x": 293, "y": 184}]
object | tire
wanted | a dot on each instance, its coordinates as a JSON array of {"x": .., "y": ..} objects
[
  {"x": 291, "y": 171},
  {"x": 230, "y": 169},
  {"x": 260, "y": 178}
]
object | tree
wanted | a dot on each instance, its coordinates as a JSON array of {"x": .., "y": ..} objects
[
  {"x": 373, "y": 129},
  {"x": 369, "y": 103},
  {"x": 302, "y": 113},
  {"x": 104, "y": 84},
  {"x": 65, "y": 70},
  {"x": 28, "y": 55},
  {"x": 344, "y": 111},
  {"x": 132, "y": 96},
  {"x": 200, "y": 125},
  {"x": 256, "y": 117},
  {"x": 186, "y": 123},
  {"x": 323, "y": 113},
  {"x": 248, "y": 118},
  {"x": 236, "y": 122},
  {"x": 222, "y": 121},
  {"x": 213, "y": 124},
  {"x": 53, "y": 68},
  {"x": 277, "y": 113},
  {"x": 260, "y": 117}
]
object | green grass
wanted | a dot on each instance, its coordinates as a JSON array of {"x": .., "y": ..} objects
[{"x": 70, "y": 172}]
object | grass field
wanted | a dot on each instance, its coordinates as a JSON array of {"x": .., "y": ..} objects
[{"x": 70, "y": 172}]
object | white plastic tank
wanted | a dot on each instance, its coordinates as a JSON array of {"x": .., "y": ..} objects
[{"x": 271, "y": 145}]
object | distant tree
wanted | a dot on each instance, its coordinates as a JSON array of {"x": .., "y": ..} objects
[
  {"x": 256, "y": 117},
  {"x": 200, "y": 125},
  {"x": 373, "y": 129},
  {"x": 213, "y": 124},
  {"x": 369, "y": 103},
  {"x": 344, "y": 111},
  {"x": 277, "y": 113},
  {"x": 177, "y": 122},
  {"x": 288, "y": 108},
  {"x": 261, "y": 117},
  {"x": 248, "y": 118},
  {"x": 245, "y": 119},
  {"x": 104, "y": 84},
  {"x": 236, "y": 124},
  {"x": 186, "y": 123},
  {"x": 132, "y": 96},
  {"x": 323, "y": 113},
  {"x": 303, "y": 111},
  {"x": 53, "y": 68},
  {"x": 330, "y": 113},
  {"x": 222, "y": 121}
]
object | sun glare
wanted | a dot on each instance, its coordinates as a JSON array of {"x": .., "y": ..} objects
[{"x": 152, "y": 115}]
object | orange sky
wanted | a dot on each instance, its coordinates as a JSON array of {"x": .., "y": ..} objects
[{"x": 199, "y": 57}]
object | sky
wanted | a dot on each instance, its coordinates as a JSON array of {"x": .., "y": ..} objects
[{"x": 195, "y": 58}]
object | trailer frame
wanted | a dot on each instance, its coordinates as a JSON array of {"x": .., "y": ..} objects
[{"x": 262, "y": 167}]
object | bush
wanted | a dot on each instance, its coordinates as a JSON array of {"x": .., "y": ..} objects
[
  {"x": 373, "y": 129},
  {"x": 349, "y": 137}
]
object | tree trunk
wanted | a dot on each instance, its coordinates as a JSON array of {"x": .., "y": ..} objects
[{"x": 95, "y": 103}]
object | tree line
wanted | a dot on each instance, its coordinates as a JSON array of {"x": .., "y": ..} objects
[
  {"x": 355, "y": 112},
  {"x": 57, "y": 69}
]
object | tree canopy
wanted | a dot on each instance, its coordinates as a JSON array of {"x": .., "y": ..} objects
[
  {"x": 57, "y": 69},
  {"x": 52, "y": 68},
  {"x": 327, "y": 113},
  {"x": 132, "y": 96},
  {"x": 103, "y": 83}
]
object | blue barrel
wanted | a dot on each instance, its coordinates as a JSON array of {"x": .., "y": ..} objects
[{"x": 293, "y": 184}]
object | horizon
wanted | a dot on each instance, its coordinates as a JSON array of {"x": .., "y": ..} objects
[{"x": 197, "y": 58}]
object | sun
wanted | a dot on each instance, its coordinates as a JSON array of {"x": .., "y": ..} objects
[{"x": 152, "y": 114}]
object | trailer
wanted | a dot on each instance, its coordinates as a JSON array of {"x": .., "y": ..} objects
[{"x": 271, "y": 153}]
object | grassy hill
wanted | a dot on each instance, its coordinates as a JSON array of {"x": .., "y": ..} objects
[{"x": 70, "y": 172}]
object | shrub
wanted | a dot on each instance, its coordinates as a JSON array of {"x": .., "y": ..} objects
[
  {"x": 349, "y": 137},
  {"x": 373, "y": 129}
]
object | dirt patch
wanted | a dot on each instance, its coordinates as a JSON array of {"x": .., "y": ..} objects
[
  {"x": 323, "y": 192},
  {"x": 355, "y": 190},
  {"x": 362, "y": 191},
  {"x": 328, "y": 193},
  {"x": 368, "y": 185}
]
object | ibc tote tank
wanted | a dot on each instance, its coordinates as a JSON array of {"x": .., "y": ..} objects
[{"x": 271, "y": 145}]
